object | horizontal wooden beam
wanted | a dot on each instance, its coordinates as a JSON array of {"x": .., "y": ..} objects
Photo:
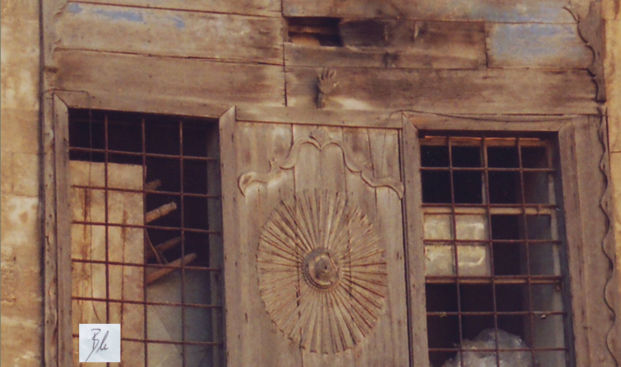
[
  {"x": 171, "y": 33},
  {"x": 507, "y": 91},
  {"x": 410, "y": 44},
  {"x": 556, "y": 46},
  {"x": 549, "y": 11},
  {"x": 314, "y": 116},
  {"x": 118, "y": 77},
  {"x": 251, "y": 7}
]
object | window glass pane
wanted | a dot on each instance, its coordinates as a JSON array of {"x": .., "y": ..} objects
[
  {"x": 471, "y": 227},
  {"x": 436, "y": 186},
  {"x": 466, "y": 156},
  {"x": 434, "y": 156},
  {"x": 468, "y": 187},
  {"x": 534, "y": 157},
  {"x": 502, "y": 156},
  {"x": 438, "y": 227}
]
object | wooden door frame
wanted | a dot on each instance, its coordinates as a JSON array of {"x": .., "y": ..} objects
[{"x": 588, "y": 259}]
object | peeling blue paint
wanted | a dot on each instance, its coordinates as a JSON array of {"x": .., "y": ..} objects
[
  {"x": 543, "y": 11},
  {"x": 494, "y": 10},
  {"x": 538, "y": 44},
  {"x": 179, "y": 23},
  {"x": 74, "y": 8},
  {"x": 121, "y": 15}
]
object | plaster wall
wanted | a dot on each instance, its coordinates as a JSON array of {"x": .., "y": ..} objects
[{"x": 21, "y": 292}]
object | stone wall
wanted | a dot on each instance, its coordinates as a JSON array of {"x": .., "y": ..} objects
[{"x": 22, "y": 294}]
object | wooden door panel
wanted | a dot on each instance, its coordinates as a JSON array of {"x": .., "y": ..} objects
[
  {"x": 252, "y": 339},
  {"x": 293, "y": 321}
]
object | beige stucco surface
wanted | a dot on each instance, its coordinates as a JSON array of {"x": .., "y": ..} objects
[{"x": 21, "y": 292}]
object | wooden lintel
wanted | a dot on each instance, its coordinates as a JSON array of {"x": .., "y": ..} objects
[{"x": 313, "y": 116}]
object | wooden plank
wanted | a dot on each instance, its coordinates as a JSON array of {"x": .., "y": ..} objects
[
  {"x": 63, "y": 230},
  {"x": 57, "y": 277},
  {"x": 230, "y": 235},
  {"x": 167, "y": 105},
  {"x": 216, "y": 248},
  {"x": 414, "y": 247},
  {"x": 578, "y": 244},
  {"x": 582, "y": 183},
  {"x": 306, "y": 174},
  {"x": 120, "y": 245},
  {"x": 489, "y": 122},
  {"x": 307, "y": 116},
  {"x": 251, "y": 7},
  {"x": 556, "y": 46},
  {"x": 171, "y": 33},
  {"x": 358, "y": 141},
  {"x": 446, "y": 91},
  {"x": 548, "y": 11},
  {"x": 390, "y": 337},
  {"x": 259, "y": 144},
  {"x": 320, "y": 170},
  {"x": 250, "y": 331},
  {"x": 135, "y": 77},
  {"x": 436, "y": 45},
  {"x": 332, "y": 168}
]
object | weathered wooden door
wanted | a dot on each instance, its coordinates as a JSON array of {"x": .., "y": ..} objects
[{"x": 314, "y": 248}]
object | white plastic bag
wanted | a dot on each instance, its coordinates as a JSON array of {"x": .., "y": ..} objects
[{"x": 486, "y": 340}]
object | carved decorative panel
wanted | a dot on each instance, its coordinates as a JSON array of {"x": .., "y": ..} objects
[
  {"x": 319, "y": 139},
  {"x": 322, "y": 273}
]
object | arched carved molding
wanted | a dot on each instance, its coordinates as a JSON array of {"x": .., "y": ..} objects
[
  {"x": 319, "y": 139},
  {"x": 589, "y": 21},
  {"x": 322, "y": 274}
]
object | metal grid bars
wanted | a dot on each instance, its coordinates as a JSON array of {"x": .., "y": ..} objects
[
  {"x": 494, "y": 284},
  {"x": 146, "y": 235}
]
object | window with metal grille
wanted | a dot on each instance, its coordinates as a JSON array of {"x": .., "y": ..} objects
[
  {"x": 146, "y": 234},
  {"x": 495, "y": 287}
]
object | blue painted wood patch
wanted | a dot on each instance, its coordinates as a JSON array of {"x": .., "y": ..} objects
[
  {"x": 536, "y": 45},
  {"x": 541, "y": 11}
]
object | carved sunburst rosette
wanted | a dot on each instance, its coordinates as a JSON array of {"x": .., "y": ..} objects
[{"x": 322, "y": 274}]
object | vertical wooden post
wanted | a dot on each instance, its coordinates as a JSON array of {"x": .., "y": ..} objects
[{"x": 414, "y": 247}]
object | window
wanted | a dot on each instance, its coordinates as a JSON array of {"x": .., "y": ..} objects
[
  {"x": 495, "y": 290},
  {"x": 146, "y": 234}
]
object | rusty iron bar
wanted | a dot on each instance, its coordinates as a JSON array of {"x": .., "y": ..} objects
[
  {"x": 140, "y": 154},
  {"x": 148, "y": 226},
  {"x": 150, "y": 191},
  {"x": 147, "y": 303}
]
